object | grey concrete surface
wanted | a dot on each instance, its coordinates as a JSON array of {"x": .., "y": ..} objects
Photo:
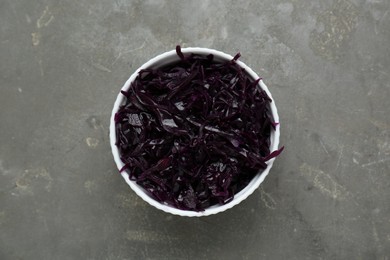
[{"x": 62, "y": 64}]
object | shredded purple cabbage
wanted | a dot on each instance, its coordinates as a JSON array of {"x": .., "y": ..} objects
[{"x": 196, "y": 132}]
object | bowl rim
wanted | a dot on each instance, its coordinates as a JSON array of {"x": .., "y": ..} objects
[{"x": 244, "y": 193}]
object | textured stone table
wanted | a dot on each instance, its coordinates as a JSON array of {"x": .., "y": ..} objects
[{"x": 62, "y": 64}]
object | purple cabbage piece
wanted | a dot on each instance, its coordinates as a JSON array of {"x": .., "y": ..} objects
[{"x": 194, "y": 133}]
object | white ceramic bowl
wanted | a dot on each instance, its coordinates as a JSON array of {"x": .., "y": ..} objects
[{"x": 167, "y": 58}]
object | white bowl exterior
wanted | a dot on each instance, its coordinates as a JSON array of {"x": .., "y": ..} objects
[{"x": 164, "y": 59}]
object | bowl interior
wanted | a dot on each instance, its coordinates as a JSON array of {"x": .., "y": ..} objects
[{"x": 169, "y": 58}]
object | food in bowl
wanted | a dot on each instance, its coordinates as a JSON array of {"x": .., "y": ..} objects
[{"x": 195, "y": 132}]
